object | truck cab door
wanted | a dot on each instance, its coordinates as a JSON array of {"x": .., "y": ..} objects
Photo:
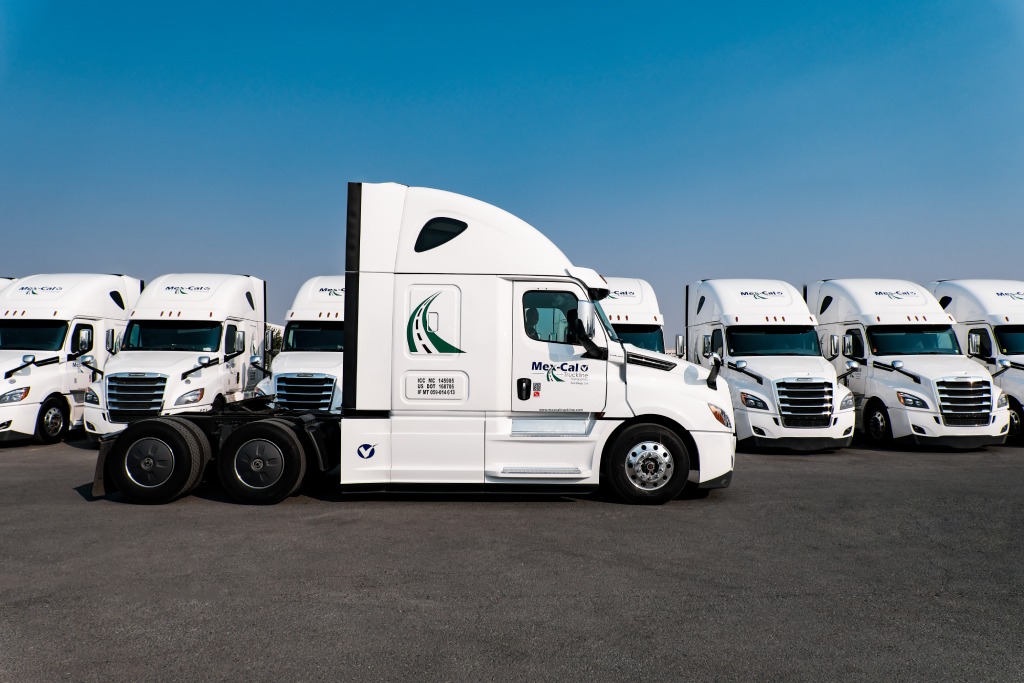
[
  {"x": 857, "y": 382},
  {"x": 234, "y": 367}
]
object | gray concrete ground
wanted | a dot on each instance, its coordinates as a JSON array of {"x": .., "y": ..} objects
[{"x": 858, "y": 565}]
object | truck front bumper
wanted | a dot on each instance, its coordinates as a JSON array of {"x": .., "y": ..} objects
[
  {"x": 925, "y": 428},
  {"x": 764, "y": 430},
  {"x": 18, "y": 421},
  {"x": 717, "y": 454}
]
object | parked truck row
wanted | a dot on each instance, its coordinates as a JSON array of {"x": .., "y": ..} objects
[{"x": 461, "y": 348}]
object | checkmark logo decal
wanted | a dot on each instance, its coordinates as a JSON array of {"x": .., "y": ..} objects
[{"x": 366, "y": 451}]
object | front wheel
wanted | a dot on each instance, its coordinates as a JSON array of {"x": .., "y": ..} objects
[
  {"x": 52, "y": 422},
  {"x": 647, "y": 464},
  {"x": 1016, "y": 415},
  {"x": 877, "y": 426}
]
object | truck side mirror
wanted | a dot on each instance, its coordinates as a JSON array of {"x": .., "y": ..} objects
[
  {"x": 706, "y": 351},
  {"x": 84, "y": 341},
  {"x": 741, "y": 365},
  {"x": 110, "y": 341},
  {"x": 204, "y": 360},
  {"x": 586, "y": 313},
  {"x": 255, "y": 360},
  {"x": 833, "y": 346},
  {"x": 239, "y": 342},
  {"x": 268, "y": 341},
  {"x": 681, "y": 346},
  {"x": 898, "y": 364},
  {"x": 973, "y": 344},
  {"x": 87, "y": 360},
  {"x": 847, "y": 345},
  {"x": 852, "y": 365},
  {"x": 28, "y": 359}
]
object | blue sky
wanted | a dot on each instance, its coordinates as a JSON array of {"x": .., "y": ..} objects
[{"x": 673, "y": 141}]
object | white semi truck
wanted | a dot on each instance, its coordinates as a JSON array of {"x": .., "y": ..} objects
[
  {"x": 913, "y": 381},
  {"x": 57, "y": 333},
  {"x": 476, "y": 356},
  {"x": 187, "y": 348},
  {"x": 307, "y": 373},
  {"x": 989, "y": 318},
  {"x": 785, "y": 393},
  {"x": 632, "y": 309}
]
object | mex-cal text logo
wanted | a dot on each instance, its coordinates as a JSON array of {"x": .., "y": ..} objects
[
  {"x": 764, "y": 294},
  {"x": 574, "y": 373},
  {"x": 897, "y": 295},
  {"x": 186, "y": 289},
  {"x": 420, "y": 337},
  {"x": 366, "y": 451},
  {"x": 34, "y": 291},
  {"x": 621, "y": 294},
  {"x": 333, "y": 291},
  {"x": 1016, "y": 296}
]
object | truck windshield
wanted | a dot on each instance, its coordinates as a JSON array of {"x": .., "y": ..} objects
[
  {"x": 645, "y": 336},
  {"x": 912, "y": 340},
  {"x": 32, "y": 335},
  {"x": 1010, "y": 339},
  {"x": 772, "y": 340},
  {"x": 314, "y": 336},
  {"x": 168, "y": 335}
]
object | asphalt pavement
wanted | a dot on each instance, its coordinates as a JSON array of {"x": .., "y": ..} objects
[{"x": 854, "y": 565}]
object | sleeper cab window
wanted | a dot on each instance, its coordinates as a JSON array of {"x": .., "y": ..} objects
[
  {"x": 550, "y": 316},
  {"x": 438, "y": 231}
]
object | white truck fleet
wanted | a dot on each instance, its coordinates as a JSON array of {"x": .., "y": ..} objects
[
  {"x": 56, "y": 334},
  {"x": 475, "y": 355},
  {"x": 307, "y": 372},
  {"x": 913, "y": 381},
  {"x": 187, "y": 347},
  {"x": 989, "y": 318},
  {"x": 784, "y": 392},
  {"x": 632, "y": 309}
]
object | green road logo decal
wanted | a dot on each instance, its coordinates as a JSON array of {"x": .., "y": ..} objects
[
  {"x": 422, "y": 339},
  {"x": 333, "y": 291},
  {"x": 552, "y": 377},
  {"x": 184, "y": 290}
]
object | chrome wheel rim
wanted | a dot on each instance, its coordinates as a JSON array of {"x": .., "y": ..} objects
[
  {"x": 649, "y": 465},
  {"x": 1014, "y": 422},
  {"x": 149, "y": 462},
  {"x": 53, "y": 421},
  {"x": 259, "y": 464},
  {"x": 877, "y": 425}
]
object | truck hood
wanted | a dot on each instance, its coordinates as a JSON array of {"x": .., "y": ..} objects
[
  {"x": 326, "y": 362},
  {"x": 171, "y": 363},
  {"x": 773, "y": 368},
  {"x": 937, "y": 367}
]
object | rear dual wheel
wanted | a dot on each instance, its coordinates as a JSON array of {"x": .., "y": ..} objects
[
  {"x": 158, "y": 460},
  {"x": 262, "y": 462}
]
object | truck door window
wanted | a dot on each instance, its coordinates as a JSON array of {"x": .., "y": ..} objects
[
  {"x": 986, "y": 342},
  {"x": 229, "y": 339},
  {"x": 550, "y": 316},
  {"x": 718, "y": 342},
  {"x": 858, "y": 343}
]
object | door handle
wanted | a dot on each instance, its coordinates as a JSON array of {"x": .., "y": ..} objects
[{"x": 523, "y": 388}]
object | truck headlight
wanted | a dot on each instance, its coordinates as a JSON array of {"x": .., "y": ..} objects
[
  {"x": 911, "y": 401},
  {"x": 14, "y": 396},
  {"x": 751, "y": 401},
  {"x": 1002, "y": 402},
  {"x": 847, "y": 403},
  {"x": 91, "y": 397},
  {"x": 720, "y": 415},
  {"x": 194, "y": 396}
]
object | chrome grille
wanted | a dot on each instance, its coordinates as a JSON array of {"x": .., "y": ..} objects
[
  {"x": 135, "y": 396},
  {"x": 804, "y": 403},
  {"x": 304, "y": 391},
  {"x": 965, "y": 402}
]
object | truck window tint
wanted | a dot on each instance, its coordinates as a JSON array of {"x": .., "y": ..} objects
[
  {"x": 32, "y": 335},
  {"x": 167, "y": 335},
  {"x": 773, "y": 340},
  {"x": 643, "y": 336},
  {"x": 229, "y": 339},
  {"x": 314, "y": 336},
  {"x": 550, "y": 316},
  {"x": 1010, "y": 339},
  {"x": 438, "y": 231},
  {"x": 912, "y": 340},
  {"x": 717, "y": 342},
  {"x": 858, "y": 343}
]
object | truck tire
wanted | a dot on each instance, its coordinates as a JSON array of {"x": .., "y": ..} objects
[
  {"x": 155, "y": 461},
  {"x": 205, "y": 451},
  {"x": 1015, "y": 435},
  {"x": 877, "y": 426},
  {"x": 52, "y": 421},
  {"x": 646, "y": 464},
  {"x": 262, "y": 462}
]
